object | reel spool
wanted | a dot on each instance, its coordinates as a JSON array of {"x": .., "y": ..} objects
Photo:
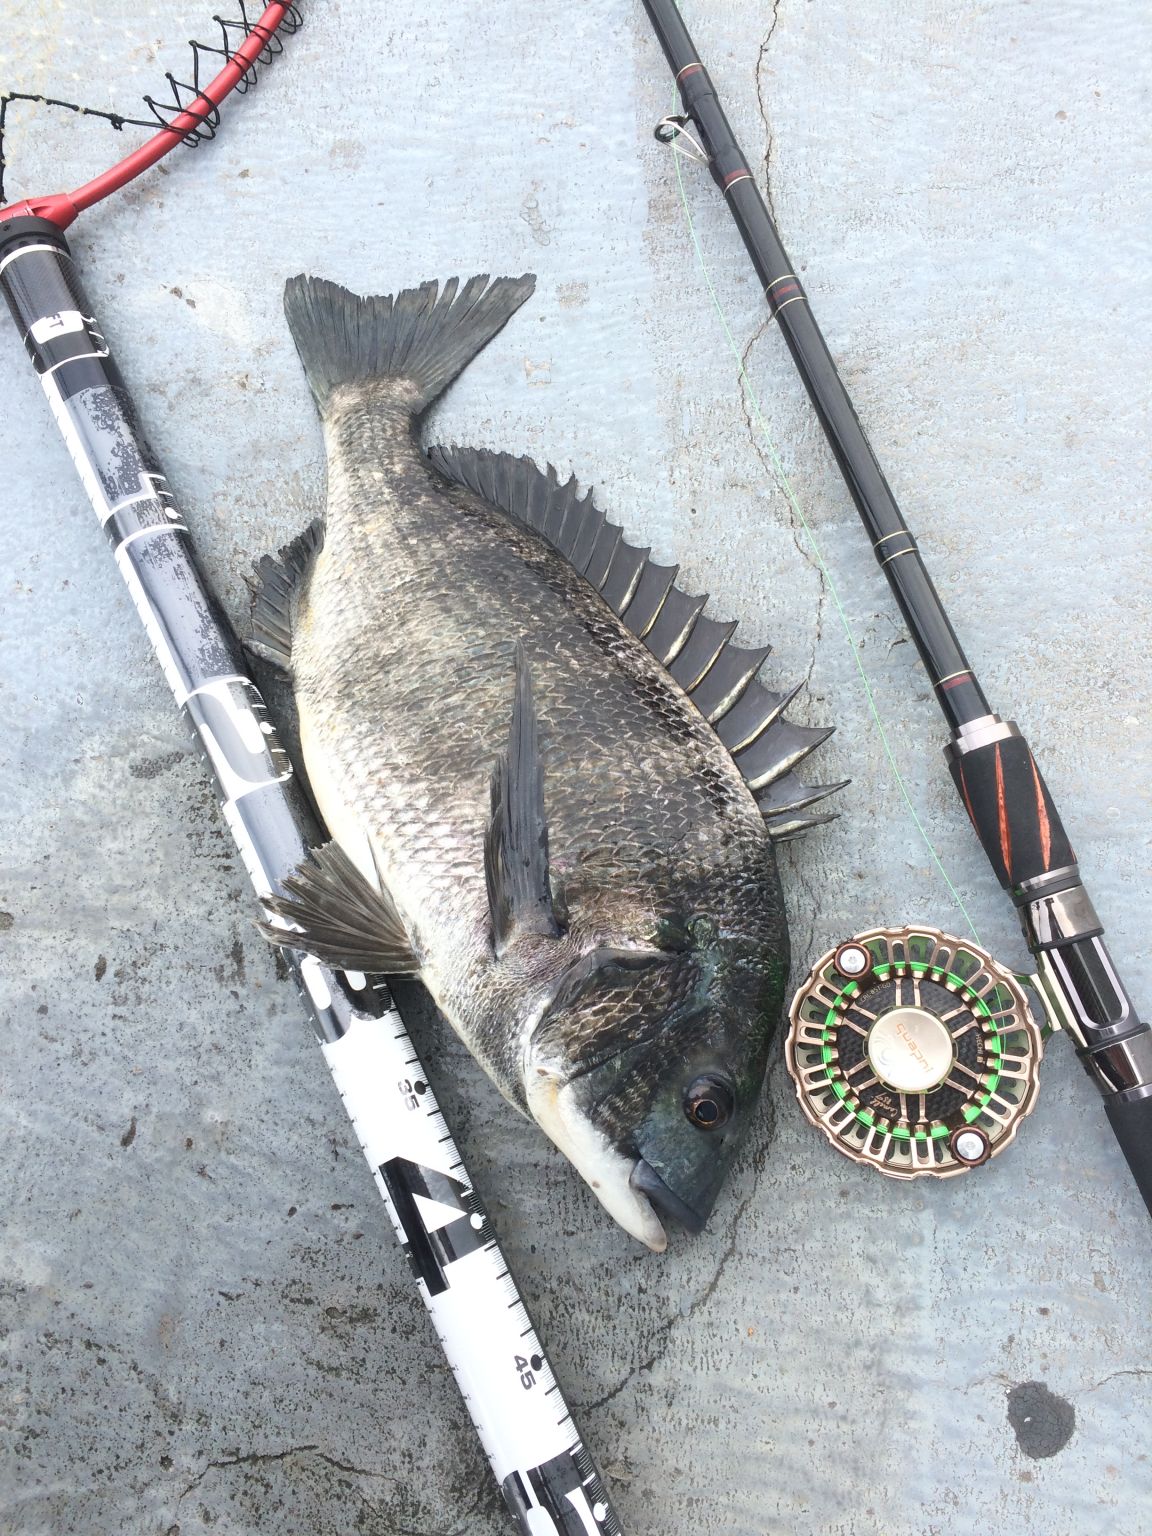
[{"x": 914, "y": 1052}]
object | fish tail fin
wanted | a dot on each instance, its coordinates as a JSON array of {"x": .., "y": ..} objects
[{"x": 425, "y": 336}]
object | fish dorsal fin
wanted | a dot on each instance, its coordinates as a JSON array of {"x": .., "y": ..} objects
[
  {"x": 516, "y": 847},
  {"x": 278, "y": 579},
  {"x": 717, "y": 675}
]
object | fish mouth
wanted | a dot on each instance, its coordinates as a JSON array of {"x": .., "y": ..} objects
[
  {"x": 610, "y": 1174},
  {"x": 645, "y": 1181}
]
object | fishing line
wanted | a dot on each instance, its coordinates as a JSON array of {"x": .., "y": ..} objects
[
  {"x": 901, "y": 1105},
  {"x": 784, "y": 485}
]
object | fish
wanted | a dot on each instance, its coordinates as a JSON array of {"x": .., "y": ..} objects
[{"x": 552, "y": 784}]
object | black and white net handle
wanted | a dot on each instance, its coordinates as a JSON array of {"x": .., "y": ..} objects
[{"x": 547, "y": 1477}]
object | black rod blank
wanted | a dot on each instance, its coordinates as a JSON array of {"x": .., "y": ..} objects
[{"x": 1005, "y": 796}]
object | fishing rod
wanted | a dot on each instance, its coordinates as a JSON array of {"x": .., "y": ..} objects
[
  {"x": 549, "y": 1481},
  {"x": 933, "y": 1075}
]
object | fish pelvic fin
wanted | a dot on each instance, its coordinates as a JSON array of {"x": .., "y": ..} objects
[
  {"x": 425, "y": 336},
  {"x": 516, "y": 844},
  {"x": 339, "y": 917}
]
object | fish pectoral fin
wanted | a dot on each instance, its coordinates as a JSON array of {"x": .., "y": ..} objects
[
  {"x": 516, "y": 845},
  {"x": 277, "y": 583},
  {"x": 339, "y": 917}
]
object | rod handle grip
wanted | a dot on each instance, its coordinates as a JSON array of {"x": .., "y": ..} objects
[
  {"x": 1130, "y": 1116},
  {"x": 1009, "y": 806}
]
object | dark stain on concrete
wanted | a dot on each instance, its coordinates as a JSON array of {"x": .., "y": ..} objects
[
  {"x": 129, "y": 1135},
  {"x": 101, "y": 966},
  {"x": 1043, "y": 1423},
  {"x": 6, "y": 920},
  {"x": 152, "y": 767},
  {"x": 236, "y": 954}
]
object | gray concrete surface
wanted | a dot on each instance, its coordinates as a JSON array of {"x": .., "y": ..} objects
[{"x": 206, "y": 1326}]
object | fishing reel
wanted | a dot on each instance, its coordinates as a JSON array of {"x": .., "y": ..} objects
[{"x": 914, "y": 1052}]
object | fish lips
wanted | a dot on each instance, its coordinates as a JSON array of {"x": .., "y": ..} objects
[
  {"x": 606, "y": 1168},
  {"x": 678, "y": 1169},
  {"x": 647, "y": 1182},
  {"x": 572, "y": 1100}
]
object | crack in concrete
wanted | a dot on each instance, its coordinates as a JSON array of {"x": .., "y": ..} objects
[
  {"x": 798, "y": 874},
  {"x": 395, "y": 1529},
  {"x": 668, "y": 1327},
  {"x": 1007, "y": 1382},
  {"x": 252, "y": 1457},
  {"x": 766, "y": 460},
  {"x": 770, "y": 138},
  {"x": 645, "y": 1365},
  {"x": 803, "y": 548},
  {"x": 1103, "y": 1382},
  {"x": 982, "y": 1381}
]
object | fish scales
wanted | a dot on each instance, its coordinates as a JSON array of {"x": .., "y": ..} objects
[
  {"x": 427, "y": 622},
  {"x": 404, "y": 682}
]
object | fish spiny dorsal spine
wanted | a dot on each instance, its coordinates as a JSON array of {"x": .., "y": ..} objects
[{"x": 721, "y": 678}]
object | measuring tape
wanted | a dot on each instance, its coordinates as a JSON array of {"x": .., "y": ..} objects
[{"x": 547, "y": 1477}]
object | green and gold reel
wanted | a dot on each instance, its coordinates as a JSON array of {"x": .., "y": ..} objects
[{"x": 914, "y": 1052}]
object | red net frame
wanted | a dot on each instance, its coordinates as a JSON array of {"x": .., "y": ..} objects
[{"x": 61, "y": 208}]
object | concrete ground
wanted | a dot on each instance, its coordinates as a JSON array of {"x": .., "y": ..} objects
[{"x": 207, "y": 1326}]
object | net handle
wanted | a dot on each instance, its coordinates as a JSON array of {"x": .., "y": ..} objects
[{"x": 62, "y": 207}]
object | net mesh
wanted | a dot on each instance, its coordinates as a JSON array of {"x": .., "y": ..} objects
[{"x": 203, "y": 62}]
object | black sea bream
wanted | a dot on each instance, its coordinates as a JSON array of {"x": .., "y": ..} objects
[{"x": 527, "y": 808}]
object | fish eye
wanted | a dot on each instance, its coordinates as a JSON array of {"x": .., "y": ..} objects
[{"x": 709, "y": 1102}]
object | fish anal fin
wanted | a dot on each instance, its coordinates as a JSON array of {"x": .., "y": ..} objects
[
  {"x": 342, "y": 919},
  {"x": 516, "y": 845},
  {"x": 278, "y": 579}
]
